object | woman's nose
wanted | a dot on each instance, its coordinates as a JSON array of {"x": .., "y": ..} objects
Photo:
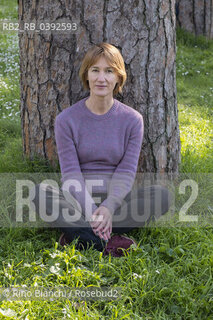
[{"x": 101, "y": 76}]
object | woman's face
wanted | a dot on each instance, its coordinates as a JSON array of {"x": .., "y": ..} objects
[{"x": 102, "y": 78}]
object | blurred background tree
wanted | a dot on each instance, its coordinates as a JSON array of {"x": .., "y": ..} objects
[{"x": 195, "y": 16}]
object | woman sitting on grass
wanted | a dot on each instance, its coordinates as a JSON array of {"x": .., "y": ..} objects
[{"x": 101, "y": 137}]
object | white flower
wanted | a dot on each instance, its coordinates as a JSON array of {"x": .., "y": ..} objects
[
  {"x": 53, "y": 255},
  {"x": 54, "y": 269},
  {"x": 27, "y": 265},
  {"x": 135, "y": 276}
]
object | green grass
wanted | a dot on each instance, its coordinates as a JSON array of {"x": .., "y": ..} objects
[
  {"x": 9, "y": 80},
  {"x": 9, "y": 64},
  {"x": 9, "y": 9},
  {"x": 169, "y": 274},
  {"x": 195, "y": 101}
]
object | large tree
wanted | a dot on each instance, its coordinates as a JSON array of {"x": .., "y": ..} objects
[
  {"x": 143, "y": 30},
  {"x": 195, "y": 16}
]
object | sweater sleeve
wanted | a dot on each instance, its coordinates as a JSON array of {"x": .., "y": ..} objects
[
  {"x": 124, "y": 175},
  {"x": 70, "y": 167}
]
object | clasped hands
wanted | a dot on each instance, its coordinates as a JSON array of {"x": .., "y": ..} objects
[{"x": 101, "y": 223}]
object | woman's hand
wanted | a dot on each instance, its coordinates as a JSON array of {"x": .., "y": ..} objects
[{"x": 101, "y": 222}]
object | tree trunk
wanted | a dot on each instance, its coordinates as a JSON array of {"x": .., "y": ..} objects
[
  {"x": 195, "y": 16},
  {"x": 143, "y": 30}
]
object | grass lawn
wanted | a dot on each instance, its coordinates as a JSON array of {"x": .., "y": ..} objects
[{"x": 169, "y": 275}]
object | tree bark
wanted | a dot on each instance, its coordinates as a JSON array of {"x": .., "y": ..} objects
[
  {"x": 143, "y": 30},
  {"x": 195, "y": 16}
]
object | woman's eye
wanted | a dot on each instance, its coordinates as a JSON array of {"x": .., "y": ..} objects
[{"x": 108, "y": 71}]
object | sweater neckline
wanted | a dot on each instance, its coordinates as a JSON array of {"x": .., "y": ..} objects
[{"x": 98, "y": 116}]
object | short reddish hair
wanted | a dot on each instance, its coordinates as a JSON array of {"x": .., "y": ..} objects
[{"x": 113, "y": 57}]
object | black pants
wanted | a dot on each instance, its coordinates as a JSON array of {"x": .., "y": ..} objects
[{"x": 138, "y": 208}]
